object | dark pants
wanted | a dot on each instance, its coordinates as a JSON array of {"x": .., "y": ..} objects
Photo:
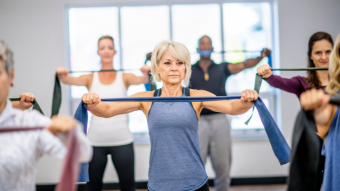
[
  {"x": 123, "y": 160},
  {"x": 205, "y": 187}
]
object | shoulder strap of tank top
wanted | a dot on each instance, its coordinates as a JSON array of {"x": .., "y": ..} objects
[
  {"x": 187, "y": 91},
  {"x": 157, "y": 92}
]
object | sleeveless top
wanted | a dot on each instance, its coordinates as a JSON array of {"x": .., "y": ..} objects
[
  {"x": 175, "y": 159},
  {"x": 112, "y": 131}
]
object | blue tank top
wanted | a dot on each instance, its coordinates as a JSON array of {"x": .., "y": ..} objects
[{"x": 175, "y": 159}]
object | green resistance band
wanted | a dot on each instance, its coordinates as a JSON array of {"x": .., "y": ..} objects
[
  {"x": 34, "y": 102},
  {"x": 258, "y": 81}
]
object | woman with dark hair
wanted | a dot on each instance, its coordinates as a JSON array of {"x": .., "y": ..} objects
[
  {"x": 320, "y": 46},
  {"x": 118, "y": 141},
  {"x": 327, "y": 118},
  {"x": 319, "y": 49}
]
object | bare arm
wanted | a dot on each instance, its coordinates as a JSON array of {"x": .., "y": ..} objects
[
  {"x": 323, "y": 119},
  {"x": 63, "y": 76},
  {"x": 131, "y": 79},
  {"x": 236, "y": 68},
  {"x": 324, "y": 113},
  {"x": 235, "y": 107},
  {"x": 101, "y": 109}
]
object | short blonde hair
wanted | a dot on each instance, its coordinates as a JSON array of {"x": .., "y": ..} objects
[
  {"x": 334, "y": 69},
  {"x": 178, "y": 51}
]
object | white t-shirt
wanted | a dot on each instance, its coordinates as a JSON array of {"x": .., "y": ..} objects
[{"x": 21, "y": 151}]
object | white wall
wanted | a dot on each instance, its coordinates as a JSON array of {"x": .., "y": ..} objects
[{"x": 34, "y": 31}]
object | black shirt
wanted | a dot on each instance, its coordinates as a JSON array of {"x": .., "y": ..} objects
[{"x": 218, "y": 74}]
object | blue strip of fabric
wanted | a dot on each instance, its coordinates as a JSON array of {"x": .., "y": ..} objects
[{"x": 276, "y": 139}]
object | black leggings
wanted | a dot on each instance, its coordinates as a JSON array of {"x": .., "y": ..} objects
[
  {"x": 123, "y": 160},
  {"x": 205, "y": 187}
]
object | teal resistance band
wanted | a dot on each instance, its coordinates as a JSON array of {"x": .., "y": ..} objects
[{"x": 34, "y": 102}]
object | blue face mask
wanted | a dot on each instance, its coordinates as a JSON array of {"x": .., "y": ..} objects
[{"x": 205, "y": 52}]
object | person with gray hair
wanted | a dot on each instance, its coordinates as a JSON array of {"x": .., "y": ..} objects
[
  {"x": 175, "y": 160},
  {"x": 7, "y": 56},
  {"x": 21, "y": 151}
]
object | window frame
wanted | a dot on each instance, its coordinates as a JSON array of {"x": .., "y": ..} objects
[{"x": 144, "y": 137}]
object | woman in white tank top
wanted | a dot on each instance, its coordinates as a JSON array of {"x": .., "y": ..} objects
[{"x": 109, "y": 135}]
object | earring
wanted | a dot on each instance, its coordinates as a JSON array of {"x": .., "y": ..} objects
[{"x": 12, "y": 85}]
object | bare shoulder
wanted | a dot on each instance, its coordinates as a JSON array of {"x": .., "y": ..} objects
[
  {"x": 198, "y": 93},
  {"x": 143, "y": 94}
]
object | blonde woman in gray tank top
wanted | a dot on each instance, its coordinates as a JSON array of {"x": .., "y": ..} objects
[
  {"x": 107, "y": 140},
  {"x": 175, "y": 160}
]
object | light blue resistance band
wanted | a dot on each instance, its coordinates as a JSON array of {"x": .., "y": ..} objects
[{"x": 276, "y": 139}]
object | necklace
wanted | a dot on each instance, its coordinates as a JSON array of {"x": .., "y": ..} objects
[{"x": 206, "y": 76}]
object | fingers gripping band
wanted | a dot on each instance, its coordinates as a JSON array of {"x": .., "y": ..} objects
[{"x": 34, "y": 102}]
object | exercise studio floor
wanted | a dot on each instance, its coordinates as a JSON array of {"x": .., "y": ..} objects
[{"x": 247, "y": 188}]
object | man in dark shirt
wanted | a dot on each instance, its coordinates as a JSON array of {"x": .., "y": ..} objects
[{"x": 214, "y": 128}]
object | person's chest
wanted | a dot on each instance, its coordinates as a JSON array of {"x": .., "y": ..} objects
[
  {"x": 214, "y": 78},
  {"x": 19, "y": 153}
]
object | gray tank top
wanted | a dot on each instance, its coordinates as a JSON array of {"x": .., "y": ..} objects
[{"x": 175, "y": 159}]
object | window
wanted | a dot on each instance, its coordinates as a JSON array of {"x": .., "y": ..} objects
[{"x": 138, "y": 29}]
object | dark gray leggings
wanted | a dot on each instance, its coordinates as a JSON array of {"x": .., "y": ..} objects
[
  {"x": 205, "y": 187},
  {"x": 123, "y": 160}
]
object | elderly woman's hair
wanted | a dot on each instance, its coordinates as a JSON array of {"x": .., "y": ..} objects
[
  {"x": 105, "y": 37},
  {"x": 178, "y": 51},
  {"x": 6, "y": 56},
  {"x": 334, "y": 69}
]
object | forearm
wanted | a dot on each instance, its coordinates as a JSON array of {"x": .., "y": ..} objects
[
  {"x": 109, "y": 110},
  {"x": 100, "y": 110},
  {"x": 322, "y": 116},
  {"x": 145, "y": 78},
  {"x": 229, "y": 107},
  {"x": 141, "y": 79},
  {"x": 238, "y": 107},
  {"x": 69, "y": 80},
  {"x": 324, "y": 120},
  {"x": 292, "y": 85},
  {"x": 252, "y": 62}
]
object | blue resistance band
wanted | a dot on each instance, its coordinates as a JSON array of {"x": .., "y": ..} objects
[
  {"x": 147, "y": 85},
  {"x": 276, "y": 139}
]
